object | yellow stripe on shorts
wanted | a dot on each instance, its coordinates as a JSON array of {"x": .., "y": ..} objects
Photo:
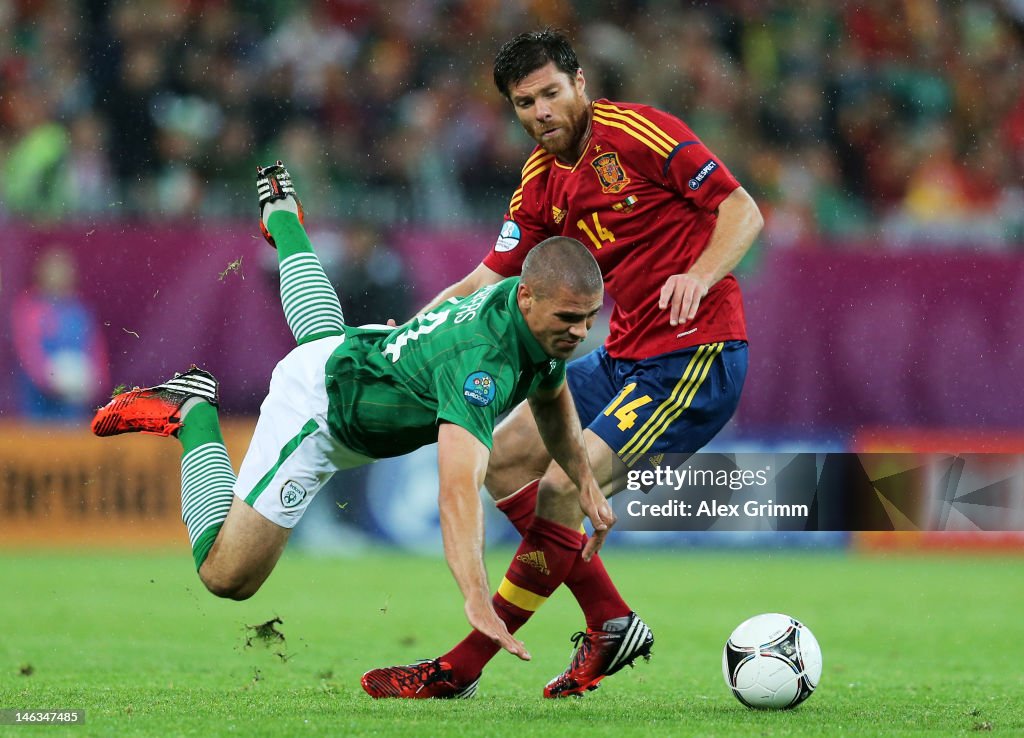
[
  {"x": 524, "y": 599},
  {"x": 670, "y": 410}
]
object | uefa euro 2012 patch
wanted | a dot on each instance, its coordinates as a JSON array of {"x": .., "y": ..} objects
[
  {"x": 478, "y": 389},
  {"x": 509, "y": 237}
]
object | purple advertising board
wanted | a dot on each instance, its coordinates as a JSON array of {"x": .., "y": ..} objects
[{"x": 840, "y": 340}]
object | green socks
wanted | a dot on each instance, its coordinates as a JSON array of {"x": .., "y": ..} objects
[
  {"x": 207, "y": 479},
  {"x": 312, "y": 310},
  {"x": 310, "y": 303}
]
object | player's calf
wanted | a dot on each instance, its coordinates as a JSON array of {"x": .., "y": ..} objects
[{"x": 184, "y": 406}]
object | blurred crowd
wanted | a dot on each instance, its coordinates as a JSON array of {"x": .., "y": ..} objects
[{"x": 896, "y": 121}]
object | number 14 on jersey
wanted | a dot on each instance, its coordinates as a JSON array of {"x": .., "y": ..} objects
[{"x": 599, "y": 235}]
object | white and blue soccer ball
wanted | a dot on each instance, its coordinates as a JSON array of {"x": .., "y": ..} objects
[{"x": 772, "y": 662}]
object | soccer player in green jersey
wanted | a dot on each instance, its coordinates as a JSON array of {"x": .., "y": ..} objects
[{"x": 346, "y": 396}]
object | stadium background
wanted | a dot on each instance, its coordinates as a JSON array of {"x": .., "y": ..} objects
[{"x": 884, "y": 142}]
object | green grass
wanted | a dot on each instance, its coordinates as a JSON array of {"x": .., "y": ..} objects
[{"x": 912, "y": 646}]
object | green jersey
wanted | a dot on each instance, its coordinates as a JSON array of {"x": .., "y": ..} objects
[{"x": 466, "y": 362}]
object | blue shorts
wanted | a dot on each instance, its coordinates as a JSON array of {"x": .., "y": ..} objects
[{"x": 672, "y": 403}]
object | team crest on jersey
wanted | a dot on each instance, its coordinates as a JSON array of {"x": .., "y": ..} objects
[
  {"x": 479, "y": 389},
  {"x": 613, "y": 177},
  {"x": 558, "y": 214},
  {"x": 292, "y": 493}
]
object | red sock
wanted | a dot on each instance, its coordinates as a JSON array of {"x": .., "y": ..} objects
[
  {"x": 520, "y": 507},
  {"x": 541, "y": 563},
  {"x": 588, "y": 582}
]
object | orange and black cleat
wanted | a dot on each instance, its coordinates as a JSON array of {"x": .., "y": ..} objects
[
  {"x": 155, "y": 410},
  {"x": 428, "y": 679},
  {"x": 274, "y": 183}
]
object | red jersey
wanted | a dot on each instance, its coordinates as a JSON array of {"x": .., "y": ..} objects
[{"x": 642, "y": 198}]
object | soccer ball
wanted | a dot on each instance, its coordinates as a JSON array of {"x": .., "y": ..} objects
[{"x": 771, "y": 662}]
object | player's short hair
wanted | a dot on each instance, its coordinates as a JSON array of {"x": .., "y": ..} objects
[
  {"x": 530, "y": 51},
  {"x": 561, "y": 261}
]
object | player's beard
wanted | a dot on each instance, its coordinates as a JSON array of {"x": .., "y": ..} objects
[{"x": 568, "y": 142}]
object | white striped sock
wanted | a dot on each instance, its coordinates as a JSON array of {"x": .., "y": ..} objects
[
  {"x": 310, "y": 303},
  {"x": 207, "y": 483}
]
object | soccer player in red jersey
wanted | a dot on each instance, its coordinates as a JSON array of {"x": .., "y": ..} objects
[{"x": 667, "y": 222}]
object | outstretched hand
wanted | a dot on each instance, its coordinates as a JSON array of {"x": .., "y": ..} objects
[
  {"x": 596, "y": 507},
  {"x": 482, "y": 617},
  {"x": 682, "y": 293}
]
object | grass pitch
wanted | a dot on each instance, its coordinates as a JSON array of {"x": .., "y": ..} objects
[{"x": 912, "y": 646}]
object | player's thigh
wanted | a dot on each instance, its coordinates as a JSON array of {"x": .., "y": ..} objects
[
  {"x": 289, "y": 461},
  {"x": 293, "y": 453},
  {"x": 674, "y": 403},
  {"x": 558, "y": 497},
  {"x": 246, "y": 551},
  {"x": 609, "y": 470},
  {"x": 518, "y": 455}
]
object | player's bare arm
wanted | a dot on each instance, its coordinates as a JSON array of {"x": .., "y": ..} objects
[
  {"x": 739, "y": 222},
  {"x": 559, "y": 427},
  {"x": 462, "y": 463},
  {"x": 479, "y": 277}
]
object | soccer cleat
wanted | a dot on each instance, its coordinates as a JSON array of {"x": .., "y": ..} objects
[
  {"x": 427, "y": 679},
  {"x": 155, "y": 410},
  {"x": 601, "y": 653},
  {"x": 274, "y": 183}
]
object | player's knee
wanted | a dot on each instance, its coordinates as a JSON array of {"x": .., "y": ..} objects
[
  {"x": 558, "y": 486},
  {"x": 500, "y": 474},
  {"x": 513, "y": 463},
  {"x": 559, "y": 500},
  {"x": 228, "y": 585}
]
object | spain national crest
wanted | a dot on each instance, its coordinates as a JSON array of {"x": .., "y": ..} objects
[{"x": 610, "y": 172}]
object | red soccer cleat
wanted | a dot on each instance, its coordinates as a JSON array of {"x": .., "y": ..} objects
[
  {"x": 155, "y": 410},
  {"x": 274, "y": 183},
  {"x": 419, "y": 681},
  {"x": 601, "y": 653}
]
